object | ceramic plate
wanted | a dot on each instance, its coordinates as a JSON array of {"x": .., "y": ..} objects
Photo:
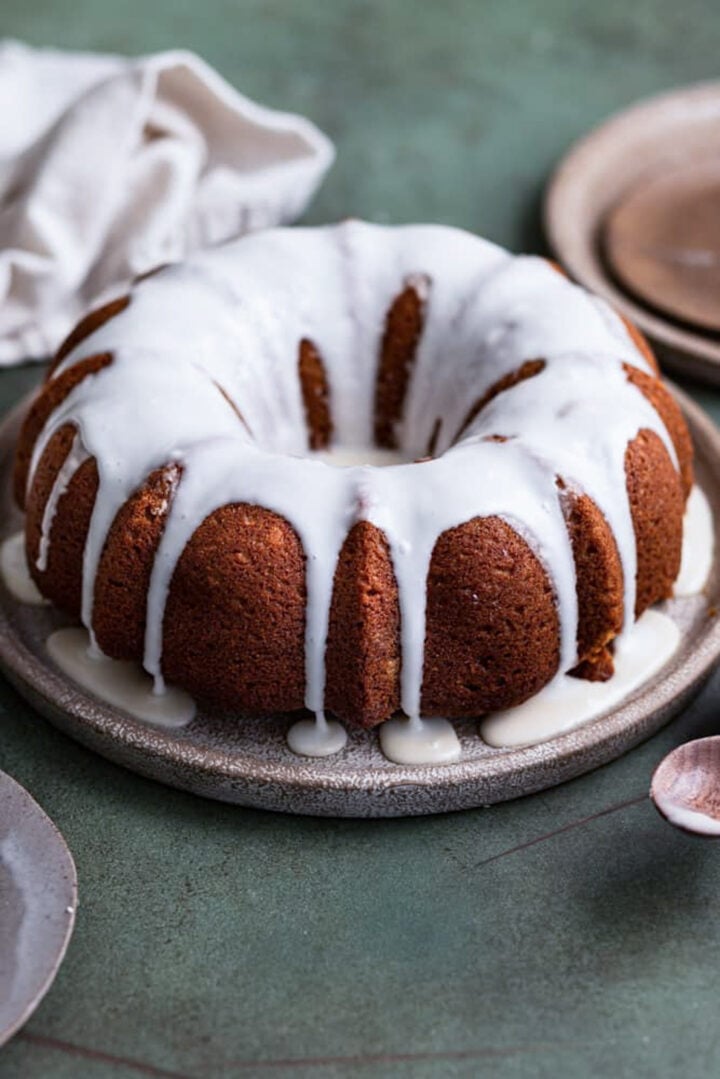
[
  {"x": 38, "y": 895},
  {"x": 247, "y": 760},
  {"x": 648, "y": 140}
]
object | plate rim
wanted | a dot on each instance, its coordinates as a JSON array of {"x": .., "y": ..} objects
[{"x": 394, "y": 790}]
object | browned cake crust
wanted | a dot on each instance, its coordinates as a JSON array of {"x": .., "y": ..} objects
[
  {"x": 316, "y": 396},
  {"x": 235, "y": 617},
  {"x": 641, "y": 343},
  {"x": 599, "y": 586},
  {"x": 527, "y": 370},
  {"x": 492, "y": 631},
  {"x": 62, "y": 580},
  {"x": 668, "y": 409},
  {"x": 126, "y": 563},
  {"x": 87, "y": 325},
  {"x": 657, "y": 503},
  {"x": 363, "y": 651},
  {"x": 403, "y": 328},
  {"x": 51, "y": 395},
  {"x": 598, "y": 668}
]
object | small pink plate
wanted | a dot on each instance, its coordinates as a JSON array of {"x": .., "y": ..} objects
[{"x": 38, "y": 897}]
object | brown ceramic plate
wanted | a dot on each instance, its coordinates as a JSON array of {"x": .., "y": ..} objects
[
  {"x": 38, "y": 896},
  {"x": 247, "y": 761},
  {"x": 662, "y": 135}
]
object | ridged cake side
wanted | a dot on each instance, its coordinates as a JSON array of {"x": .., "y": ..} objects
[{"x": 234, "y": 629}]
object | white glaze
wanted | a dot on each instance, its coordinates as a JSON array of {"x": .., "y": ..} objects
[
  {"x": 15, "y": 573},
  {"x": 567, "y": 702},
  {"x": 319, "y": 737},
  {"x": 698, "y": 545},
  {"x": 233, "y": 318},
  {"x": 352, "y": 456},
  {"x": 689, "y": 819},
  {"x": 419, "y": 741},
  {"x": 120, "y": 683}
]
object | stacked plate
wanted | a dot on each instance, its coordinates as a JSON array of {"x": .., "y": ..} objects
[{"x": 632, "y": 212}]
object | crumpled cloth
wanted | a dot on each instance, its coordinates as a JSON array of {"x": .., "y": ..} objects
[{"x": 110, "y": 166}]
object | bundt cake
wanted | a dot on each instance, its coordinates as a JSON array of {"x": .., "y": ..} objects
[{"x": 177, "y": 474}]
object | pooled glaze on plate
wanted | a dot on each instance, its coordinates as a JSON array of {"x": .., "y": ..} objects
[
  {"x": 640, "y": 652},
  {"x": 249, "y": 763},
  {"x": 15, "y": 574}
]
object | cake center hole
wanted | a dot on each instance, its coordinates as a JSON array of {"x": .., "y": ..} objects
[{"x": 349, "y": 456}]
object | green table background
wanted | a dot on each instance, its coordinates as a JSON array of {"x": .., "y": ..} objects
[{"x": 572, "y": 933}]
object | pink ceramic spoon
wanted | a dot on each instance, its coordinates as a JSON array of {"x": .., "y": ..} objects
[{"x": 686, "y": 787}]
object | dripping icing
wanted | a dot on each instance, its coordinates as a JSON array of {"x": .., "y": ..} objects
[
  {"x": 563, "y": 705},
  {"x": 419, "y": 741},
  {"x": 213, "y": 321}
]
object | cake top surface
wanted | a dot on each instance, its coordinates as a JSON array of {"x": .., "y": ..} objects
[{"x": 204, "y": 374}]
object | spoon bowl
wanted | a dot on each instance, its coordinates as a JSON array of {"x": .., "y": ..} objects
[{"x": 686, "y": 787}]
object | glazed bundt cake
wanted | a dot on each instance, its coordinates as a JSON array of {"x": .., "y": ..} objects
[{"x": 177, "y": 475}]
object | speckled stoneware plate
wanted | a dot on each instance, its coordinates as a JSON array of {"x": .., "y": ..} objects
[
  {"x": 247, "y": 761},
  {"x": 38, "y": 896},
  {"x": 650, "y": 139}
]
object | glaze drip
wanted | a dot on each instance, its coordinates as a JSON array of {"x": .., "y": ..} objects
[
  {"x": 233, "y": 318},
  {"x": 319, "y": 737},
  {"x": 420, "y": 741}
]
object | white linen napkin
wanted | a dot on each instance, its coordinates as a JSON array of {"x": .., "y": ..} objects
[{"x": 110, "y": 166}]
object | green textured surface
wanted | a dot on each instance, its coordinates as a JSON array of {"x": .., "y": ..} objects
[{"x": 571, "y": 933}]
